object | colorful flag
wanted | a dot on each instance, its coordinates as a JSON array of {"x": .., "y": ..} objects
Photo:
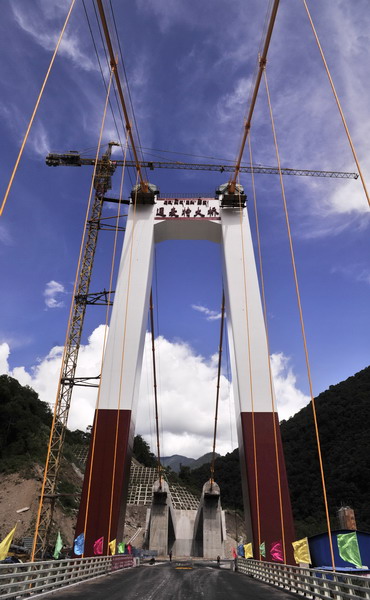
[
  {"x": 276, "y": 551},
  {"x": 79, "y": 545},
  {"x": 112, "y": 546},
  {"x": 248, "y": 550},
  {"x": 129, "y": 548},
  {"x": 121, "y": 548},
  {"x": 263, "y": 549},
  {"x": 302, "y": 551},
  {"x": 5, "y": 544},
  {"x": 98, "y": 546},
  {"x": 241, "y": 550},
  {"x": 58, "y": 546},
  {"x": 235, "y": 553},
  {"x": 348, "y": 548}
]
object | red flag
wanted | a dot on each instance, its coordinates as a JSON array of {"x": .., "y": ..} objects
[
  {"x": 98, "y": 546},
  {"x": 234, "y": 553},
  {"x": 276, "y": 551},
  {"x": 129, "y": 548}
]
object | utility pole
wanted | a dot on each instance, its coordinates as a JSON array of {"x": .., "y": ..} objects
[{"x": 102, "y": 183}]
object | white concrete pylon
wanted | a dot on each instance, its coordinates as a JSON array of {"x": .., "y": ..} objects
[{"x": 191, "y": 219}]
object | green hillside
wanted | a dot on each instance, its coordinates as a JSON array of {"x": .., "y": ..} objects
[
  {"x": 343, "y": 413},
  {"x": 25, "y": 426}
]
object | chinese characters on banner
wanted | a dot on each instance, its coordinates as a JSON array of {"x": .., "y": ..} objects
[{"x": 188, "y": 208}]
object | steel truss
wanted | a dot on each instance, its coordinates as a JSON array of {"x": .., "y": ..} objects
[{"x": 73, "y": 159}]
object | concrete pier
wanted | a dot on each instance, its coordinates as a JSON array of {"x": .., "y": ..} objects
[
  {"x": 209, "y": 532},
  {"x": 162, "y": 529}
]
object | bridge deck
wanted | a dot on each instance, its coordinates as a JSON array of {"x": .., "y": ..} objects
[{"x": 166, "y": 582}]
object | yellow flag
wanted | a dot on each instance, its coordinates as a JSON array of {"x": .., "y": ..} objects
[
  {"x": 248, "y": 551},
  {"x": 112, "y": 546},
  {"x": 5, "y": 544},
  {"x": 302, "y": 551}
]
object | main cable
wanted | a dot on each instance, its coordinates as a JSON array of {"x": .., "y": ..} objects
[
  {"x": 301, "y": 321},
  {"x": 338, "y": 102},
  {"x": 35, "y": 110}
]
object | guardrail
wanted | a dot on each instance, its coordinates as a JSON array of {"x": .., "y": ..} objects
[
  {"x": 26, "y": 579},
  {"x": 311, "y": 583}
]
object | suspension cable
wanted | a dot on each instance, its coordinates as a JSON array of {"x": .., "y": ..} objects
[
  {"x": 35, "y": 110},
  {"x": 301, "y": 321},
  {"x": 155, "y": 390},
  {"x": 113, "y": 61},
  {"x": 218, "y": 387},
  {"x": 338, "y": 102},
  {"x": 273, "y": 407}
]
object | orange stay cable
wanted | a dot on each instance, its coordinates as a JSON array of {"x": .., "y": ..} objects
[
  {"x": 35, "y": 111},
  {"x": 338, "y": 102},
  {"x": 57, "y": 400},
  {"x": 250, "y": 380},
  {"x": 111, "y": 281},
  {"x": 302, "y": 322},
  {"x": 268, "y": 350},
  {"x": 97, "y": 403},
  {"x": 122, "y": 359}
]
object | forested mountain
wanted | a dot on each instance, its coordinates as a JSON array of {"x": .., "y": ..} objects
[
  {"x": 176, "y": 461},
  {"x": 25, "y": 426},
  {"x": 343, "y": 413}
]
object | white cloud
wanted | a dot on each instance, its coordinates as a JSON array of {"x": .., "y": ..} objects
[
  {"x": 39, "y": 140},
  {"x": 235, "y": 102},
  {"x": 70, "y": 46},
  {"x": 211, "y": 315},
  {"x": 44, "y": 377},
  {"x": 5, "y": 237},
  {"x": 289, "y": 397},
  {"x": 358, "y": 272},
  {"x": 186, "y": 393},
  {"x": 167, "y": 12},
  {"x": 52, "y": 293},
  {"x": 4, "y": 355}
]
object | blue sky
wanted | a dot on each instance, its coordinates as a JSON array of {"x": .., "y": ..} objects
[{"x": 190, "y": 66}]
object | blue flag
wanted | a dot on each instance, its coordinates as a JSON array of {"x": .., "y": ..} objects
[
  {"x": 79, "y": 544},
  {"x": 241, "y": 550}
]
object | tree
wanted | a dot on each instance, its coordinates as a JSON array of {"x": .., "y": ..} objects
[{"x": 142, "y": 453}]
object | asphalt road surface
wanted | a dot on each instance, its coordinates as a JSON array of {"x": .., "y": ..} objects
[{"x": 166, "y": 582}]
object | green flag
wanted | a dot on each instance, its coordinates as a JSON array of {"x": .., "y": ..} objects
[
  {"x": 121, "y": 548},
  {"x": 58, "y": 546},
  {"x": 263, "y": 549},
  {"x": 348, "y": 548}
]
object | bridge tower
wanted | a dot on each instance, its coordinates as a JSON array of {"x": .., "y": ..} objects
[{"x": 150, "y": 221}]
